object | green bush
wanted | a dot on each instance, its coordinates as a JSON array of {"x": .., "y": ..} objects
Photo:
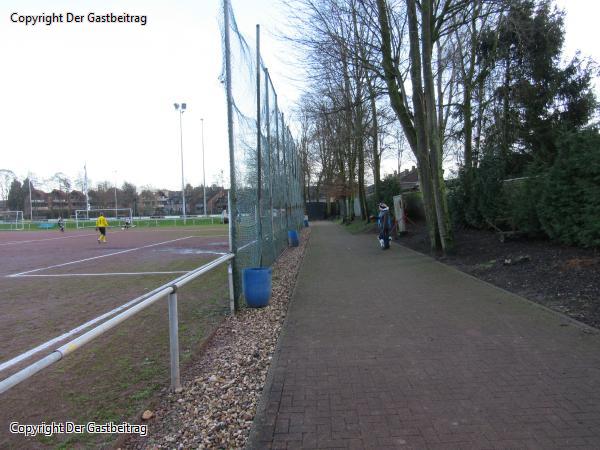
[
  {"x": 413, "y": 203},
  {"x": 569, "y": 206},
  {"x": 389, "y": 187},
  {"x": 562, "y": 201},
  {"x": 462, "y": 204},
  {"x": 476, "y": 198},
  {"x": 490, "y": 203},
  {"x": 520, "y": 198}
]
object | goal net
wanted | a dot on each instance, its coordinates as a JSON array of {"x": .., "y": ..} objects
[
  {"x": 85, "y": 218},
  {"x": 11, "y": 220}
]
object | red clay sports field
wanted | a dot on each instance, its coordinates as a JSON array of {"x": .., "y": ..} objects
[{"x": 51, "y": 283}]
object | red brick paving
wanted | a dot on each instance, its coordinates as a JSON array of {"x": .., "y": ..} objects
[{"x": 392, "y": 349}]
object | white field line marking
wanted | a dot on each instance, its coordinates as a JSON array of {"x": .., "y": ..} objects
[
  {"x": 97, "y": 257},
  {"x": 103, "y": 274},
  {"x": 47, "y": 239},
  {"x": 76, "y": 330}
]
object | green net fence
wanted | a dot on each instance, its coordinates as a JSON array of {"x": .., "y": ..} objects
[{"x": 266, "y": 184}]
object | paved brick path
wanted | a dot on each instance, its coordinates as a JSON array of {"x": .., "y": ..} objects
[{"x": 394, "y": 350}]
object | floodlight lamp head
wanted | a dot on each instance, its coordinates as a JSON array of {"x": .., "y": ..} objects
[
  {"x": 176, "y": 105},
  {"x": 183, "y": 106}
]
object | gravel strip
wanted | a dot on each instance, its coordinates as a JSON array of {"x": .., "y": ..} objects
[{"x": 216, "y": 405}]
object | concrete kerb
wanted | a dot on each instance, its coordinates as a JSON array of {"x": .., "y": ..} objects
[
  {"x": 253, "y": 443},
  {"x": 584, "y": 327}
]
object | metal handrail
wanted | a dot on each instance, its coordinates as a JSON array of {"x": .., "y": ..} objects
[
  {"x": 28, "y": 354},
  {"x": 169, "y": 289}
]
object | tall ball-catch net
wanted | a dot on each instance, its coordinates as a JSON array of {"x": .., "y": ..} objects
[
  {"x": 266, "y": 186},
  {"x": 116, "y": 217},
  {"x": 11, "y": 220}
]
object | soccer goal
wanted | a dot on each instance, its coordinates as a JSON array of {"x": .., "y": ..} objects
[
  {"x": 11, "y": 220},
  {"x": 86, "y": 218}
]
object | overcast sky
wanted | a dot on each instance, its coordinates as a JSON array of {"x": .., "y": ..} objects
[{"x": 103, "y": 94}]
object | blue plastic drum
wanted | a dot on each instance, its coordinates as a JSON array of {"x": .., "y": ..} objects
[
  {"x": 257, "y": 286},
  {"x": 293, "y": 238}
]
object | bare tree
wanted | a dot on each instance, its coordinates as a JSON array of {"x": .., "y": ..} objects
[
  {"x": 347, "y": 92},
  {"x": 429, "y": 24},
  {"x": 6, "y": 179}
]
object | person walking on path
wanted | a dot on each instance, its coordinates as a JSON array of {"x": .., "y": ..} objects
[
  {"x": 101, "y": 225},
  {"x": 384, "y": 221},
  {"x": 61, "y": 224}
]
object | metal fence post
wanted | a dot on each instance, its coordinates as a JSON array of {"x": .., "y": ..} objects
[
  {"x": 231, "y": 291},
  {"x": 232, "y": 200},
  {"x": 174, "y": 340},
  {"x": 270, "y": 160},
  {"x": 259, "y": 236}
]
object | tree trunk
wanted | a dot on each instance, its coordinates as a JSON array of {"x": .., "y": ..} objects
[
  {"x": 468, "y": 129},
  {"x": 412, "y": 125},
  {"x": 426, "y": 136},
  {"x": 505, "y": 111},
  {"x": 435, "y": 146},
  {"x": 375, "y": 137},
  {"x": 480, "y": 112}
]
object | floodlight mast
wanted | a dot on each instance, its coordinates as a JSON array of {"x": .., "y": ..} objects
[
  {"x": 203, "y": 169},
  {"x": 30, "y": 202},
  {"x": 85, "y": 187},
  {"x": 116, "y": 194},
  {"x": 181, "y": 110}
]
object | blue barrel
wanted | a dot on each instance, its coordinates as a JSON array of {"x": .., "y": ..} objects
[
  {"x": 257, "y": 286},
  {"x": 293, "y": 238}
]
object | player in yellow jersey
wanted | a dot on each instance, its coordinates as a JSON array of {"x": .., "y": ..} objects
[{"x": 101, "y": 225}]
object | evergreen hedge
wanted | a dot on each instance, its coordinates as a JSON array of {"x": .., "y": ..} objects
[
  {"x": 569, "y": 202},
  {"x": 561, "y": 201}
]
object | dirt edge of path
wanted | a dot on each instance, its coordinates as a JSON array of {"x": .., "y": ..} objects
[{"x": 562, "y": 278}]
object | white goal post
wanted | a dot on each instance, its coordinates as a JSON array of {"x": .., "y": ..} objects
[
  {"x": 86, "y": 218},
  {"x": 11, "y": 220}
]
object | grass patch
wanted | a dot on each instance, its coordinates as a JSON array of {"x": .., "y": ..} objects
[
  {"x": 486, "y": 265},
  {"x": 359, "y": 226}
]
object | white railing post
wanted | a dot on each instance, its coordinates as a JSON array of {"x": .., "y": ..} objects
[
  {"x": 174, "y": 340},
  {"x": 231, "y": 291}
]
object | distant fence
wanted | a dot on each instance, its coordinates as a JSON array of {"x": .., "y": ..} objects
[
  {"x": 322, "y": 210},
  {"x": 143, "y": 222},
  {"x": 266, "y": 187}
]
